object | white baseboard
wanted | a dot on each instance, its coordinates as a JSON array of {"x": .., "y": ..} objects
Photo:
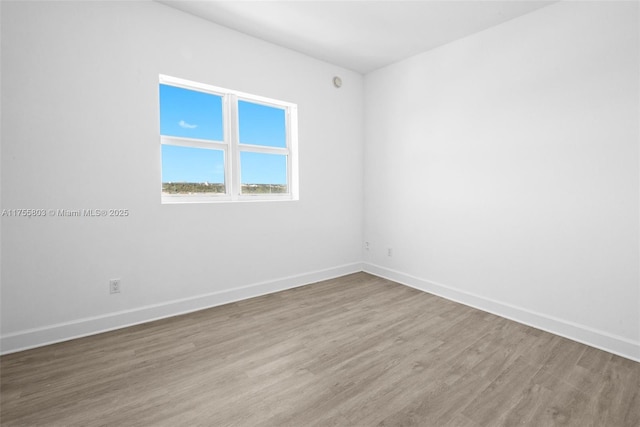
[
  {"x": 584, "y": 334},
  {"x": 32, "y": 338},
  {"x": 38, "y": 337}
]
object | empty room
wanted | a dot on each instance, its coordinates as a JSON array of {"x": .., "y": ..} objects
[{"x": 320, "y": 213}]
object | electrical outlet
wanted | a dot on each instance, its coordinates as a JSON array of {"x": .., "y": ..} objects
[
  {"x": 389, "y": 252},
  {"x": 366, "y": 246},
  {"x": 114, "y": 286}
]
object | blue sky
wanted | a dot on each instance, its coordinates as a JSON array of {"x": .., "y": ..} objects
[
  {"x": 261, "y": 125},
  {"x": 192, "y": 114},
  {"x": 187, "y": 164}
]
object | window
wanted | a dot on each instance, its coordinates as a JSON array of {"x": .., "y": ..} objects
[{"x": 223, "y": 145}]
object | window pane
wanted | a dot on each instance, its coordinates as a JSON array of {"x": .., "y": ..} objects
[
  {"x": 261, "y": 125},
  {"x": 263, "y": 173},
  {"x": 188, "y": 170},
  {"x": 190, "y": 114}
]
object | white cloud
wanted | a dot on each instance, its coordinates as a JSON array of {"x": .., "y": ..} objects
[{"x": 186, "y": 125}]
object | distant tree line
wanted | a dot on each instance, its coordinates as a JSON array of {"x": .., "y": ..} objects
[
  {"x": 264, "y": 188},
  {"x": 205, "y": 187},
  {"x": 191, "y": 187}
]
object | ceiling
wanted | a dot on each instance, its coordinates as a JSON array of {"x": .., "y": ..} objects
[{"x": 359, "y": 35}]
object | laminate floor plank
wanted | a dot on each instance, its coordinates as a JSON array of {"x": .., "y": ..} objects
[{"x": 357, "y": 350}]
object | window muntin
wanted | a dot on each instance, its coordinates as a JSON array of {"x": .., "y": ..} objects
[{"x": 223, "y": 145}]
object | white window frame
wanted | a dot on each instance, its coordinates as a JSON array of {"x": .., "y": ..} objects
[{"x": 231, "y": 146}]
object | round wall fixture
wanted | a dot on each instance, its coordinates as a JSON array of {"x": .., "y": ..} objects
[{"x": 337, "y": 81}]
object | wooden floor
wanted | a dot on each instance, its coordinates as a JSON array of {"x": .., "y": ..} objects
[{"x": 354, "y": 351}]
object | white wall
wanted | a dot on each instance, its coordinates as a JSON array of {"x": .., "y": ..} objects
[
  {"x": 80, "y": 130},
  {"x": 503, "y": 171}
]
